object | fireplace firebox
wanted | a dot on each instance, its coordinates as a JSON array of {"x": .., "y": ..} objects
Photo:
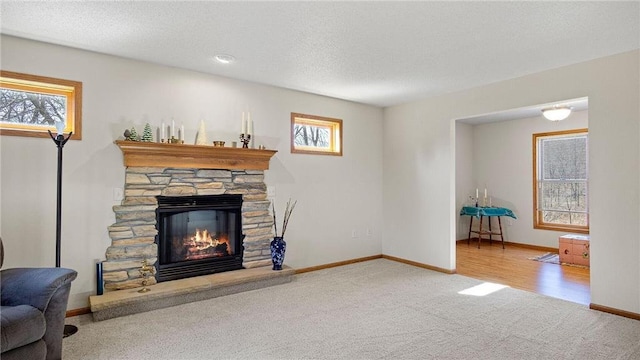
[{"x": 198, "y": 235}]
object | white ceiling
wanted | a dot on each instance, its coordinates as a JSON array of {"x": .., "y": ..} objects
[{"x": 378, "y": 53}]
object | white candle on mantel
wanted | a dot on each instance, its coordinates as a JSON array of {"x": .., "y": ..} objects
[
  {"x": 249, "y": 124},
  {"x": 244, "y": 124},
  {"x": 162, "y": 130},
  {"x": 485, "y": 193},
  {"x": 476, "y": 193},
  {"x": 182, "y": 132},
  {"x": 173, "y": 128}
]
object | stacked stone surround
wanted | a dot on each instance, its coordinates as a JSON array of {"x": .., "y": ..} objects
[{"x": 133, "y": 233}]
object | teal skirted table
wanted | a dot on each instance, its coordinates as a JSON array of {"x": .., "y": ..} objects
[{"x": 481, "y": 212}]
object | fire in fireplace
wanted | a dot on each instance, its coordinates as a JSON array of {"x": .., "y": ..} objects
[
  {"x": 202, "y": 244},
  {"x": 198, "y": 235}
]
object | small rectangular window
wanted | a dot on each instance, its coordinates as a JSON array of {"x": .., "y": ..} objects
[
  {"x": 561, "y": 181},
  {"x": 312, "y": 134},
  {"x": 32, "y": 105}
]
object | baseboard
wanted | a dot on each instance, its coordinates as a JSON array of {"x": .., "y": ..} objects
[
  {"x": 77, "y": 312},
  {"x": 614, "y": 311},
  {"x": 521, "y": 245},
  {"x": 533, "y": 247},
  {"x": 420, "y": 265},
  {"x": 367, "y": 258},
  {"x": 336, "y": 264}
]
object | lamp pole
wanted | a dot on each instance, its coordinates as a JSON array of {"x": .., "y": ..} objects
[{"x": 60, "y": 140}]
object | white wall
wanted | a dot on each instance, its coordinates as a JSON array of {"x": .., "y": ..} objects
[
  {"x": 503, "y": 162},
  {"x": 419, "y": 176},
  {"x": 335, "y": 194},
  {"x": 465, "y": 175}
]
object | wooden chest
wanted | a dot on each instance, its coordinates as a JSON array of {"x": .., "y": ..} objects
[{"x": 574, "y": 249}]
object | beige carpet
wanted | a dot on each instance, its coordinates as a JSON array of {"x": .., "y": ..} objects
[{"x": 378, "y": 309}]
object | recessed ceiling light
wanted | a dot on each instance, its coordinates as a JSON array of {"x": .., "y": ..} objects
[{"x": 225, "y": 59}]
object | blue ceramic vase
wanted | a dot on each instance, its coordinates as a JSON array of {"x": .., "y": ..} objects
[{"x": 278, "y": 247}]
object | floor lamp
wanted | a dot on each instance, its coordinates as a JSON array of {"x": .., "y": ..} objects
[{"x": 60, "y": 140}]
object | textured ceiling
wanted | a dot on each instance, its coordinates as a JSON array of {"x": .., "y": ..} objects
[{"x": 379, "y": 53}]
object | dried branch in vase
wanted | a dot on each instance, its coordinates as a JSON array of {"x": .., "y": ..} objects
[
  {"x": 275, "y": 225},
  {"x": 287, "y": 215}
]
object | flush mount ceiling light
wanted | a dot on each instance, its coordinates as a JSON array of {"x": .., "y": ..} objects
[
  {"x": 224, "y": 58},
  {"x": 556, "y": 113}
]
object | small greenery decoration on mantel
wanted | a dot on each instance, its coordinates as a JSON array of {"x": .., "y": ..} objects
[
  {"x": 147, "y": 134},
  {"x": 131, "y": 135},
  {"x": 287, "y": 214}
]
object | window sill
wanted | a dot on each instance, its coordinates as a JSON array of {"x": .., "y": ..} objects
[{"x": 554, "y": 227}]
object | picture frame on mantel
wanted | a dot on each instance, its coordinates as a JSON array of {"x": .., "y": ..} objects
[{"x": 31, "y": 105}]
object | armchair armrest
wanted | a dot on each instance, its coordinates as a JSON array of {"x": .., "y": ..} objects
[{"x": 33, "y": 286}]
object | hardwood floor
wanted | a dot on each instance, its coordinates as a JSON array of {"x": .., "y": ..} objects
[{"x": 512, "y": 267}]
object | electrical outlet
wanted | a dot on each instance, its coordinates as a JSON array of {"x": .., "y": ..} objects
[
  {"x": 118, "y": 194},
  {"x": 369, "y": 232},
  {"x": 354, "y": 233}
]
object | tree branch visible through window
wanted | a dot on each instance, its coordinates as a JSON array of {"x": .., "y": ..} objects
[
  {"x": 560, "y": 178},
  {"x": 30, "y": 105},
  {"x": 316, "y": 135}
]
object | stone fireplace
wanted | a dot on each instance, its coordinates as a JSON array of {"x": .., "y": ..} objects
[{"x": 190, "y": 192}]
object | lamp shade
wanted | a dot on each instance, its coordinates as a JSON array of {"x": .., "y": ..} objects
[
  {"x": 60, "y": 127},
  {"x": 556, "y": 113}
]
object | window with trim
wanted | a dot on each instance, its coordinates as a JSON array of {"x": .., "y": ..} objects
[
  {"x": 560, "y": 181},
  {"x": 312, "y": 134},
  {"x": 32, "y": 105}
]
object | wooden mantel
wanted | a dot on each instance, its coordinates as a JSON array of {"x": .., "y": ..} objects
[{"x": 152, "y": 154}]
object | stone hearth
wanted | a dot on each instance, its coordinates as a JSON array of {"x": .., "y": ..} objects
[{"x": 165, "y": 294}]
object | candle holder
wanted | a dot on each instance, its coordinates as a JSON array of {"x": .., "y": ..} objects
[
  {"x": 146, "y": 270},
  {"x": 245, "y": 138},
  {"x": 173, "y": 140},
  {"x": 162, "y": 141}
]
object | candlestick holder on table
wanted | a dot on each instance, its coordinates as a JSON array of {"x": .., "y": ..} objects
[{"x": 245, "y": 138}]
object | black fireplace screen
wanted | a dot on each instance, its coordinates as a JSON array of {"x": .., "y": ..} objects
[{"x": 198, "y": 235}]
